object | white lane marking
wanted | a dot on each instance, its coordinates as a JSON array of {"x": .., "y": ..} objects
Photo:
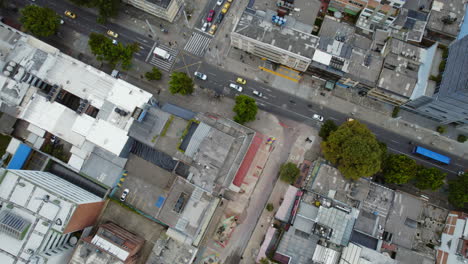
[
  {"x": 394, "y": 141},
  {"x": 331, "y": 117}
]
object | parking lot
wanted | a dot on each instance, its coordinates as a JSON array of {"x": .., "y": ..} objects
[{"x": 146, "y": 183}]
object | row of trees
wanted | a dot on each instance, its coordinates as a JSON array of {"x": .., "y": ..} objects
[
  {"x": 39, "y": 21},
  {"x": 356, "y": 152},
  {"x": 106, "y": 8},
  {"x": 114, "y": 54}
]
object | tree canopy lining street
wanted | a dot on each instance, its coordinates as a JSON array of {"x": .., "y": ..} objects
[
  {"x": 105, "y": 50},
  {"x": 245, "y": 108},
  {"x": 40, "y": 21},
  {"x": 354, "y": 150},
  {"x": 181, "y": 83},
  {"x": 106, "y": 8}
]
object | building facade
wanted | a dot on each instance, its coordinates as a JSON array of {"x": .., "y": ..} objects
[
  {"x": 165, "y": 9},
  {"x": 449, "y": 103},
  {"x": 40, "y": 213}
]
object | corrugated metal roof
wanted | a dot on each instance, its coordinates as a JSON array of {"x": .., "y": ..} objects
[
  {"x": 178, "y": 111},
  {"x": 202, "y": 131}
]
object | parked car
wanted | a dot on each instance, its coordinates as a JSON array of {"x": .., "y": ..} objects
[
  {"x": 205, "y": 26},
  {"x": 350, "y": 119},
  {"x": 257, "y": 93},
  {"x": 200, "y": 76},
  {"x": 225, "y": 8},
  {"x": 115, "y": 42},
  {"x": 317, "y": 117},
  {"x": 70, "y": 14},
  {"x": 219, "y": 18},
  {"x": 124, "y": 195},
  {"x": 220, "y": 2},
  {"x": 213, "y": 29},
  {"x": 236, "y": 87},
  {"x": 210, "y": 16},
  {"x": 241, "y": 80}
]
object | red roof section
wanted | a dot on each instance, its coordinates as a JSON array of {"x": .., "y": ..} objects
[{"x": 248, "y": 159}]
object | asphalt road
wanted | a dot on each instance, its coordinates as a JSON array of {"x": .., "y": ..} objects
[{"x": 273, "y": 101}]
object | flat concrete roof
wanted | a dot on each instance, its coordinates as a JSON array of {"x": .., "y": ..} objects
[
  {"x": 294, "y": 36},
  {"x": 298, "y": 245},
  {"x": 401, "y": 220},
  {"x": 446, "y": 9}
]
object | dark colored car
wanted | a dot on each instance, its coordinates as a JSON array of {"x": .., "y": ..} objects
[
  {"x": 219, "y": 18},
  {"x": 210, "y": 16}
]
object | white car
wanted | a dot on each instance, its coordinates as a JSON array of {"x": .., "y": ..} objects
[
  {"x": 124, "y": 195},
  {"x": 205, "y": 26},
  {"x": 200, "y": 76},
  {"x": 220, "y": 2},
  {"x": 236, "y": 87},
  {"x": 317, "y": 117},
  {"x": 257, "y": 93}
]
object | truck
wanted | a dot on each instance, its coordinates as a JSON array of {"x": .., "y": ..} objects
[{"x": 161, "y": 53}]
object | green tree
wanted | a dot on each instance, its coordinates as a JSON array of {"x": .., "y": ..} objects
[
  {"x": 458, "y": 191},
  {"x": 106, "y": 8},
  {"x": 399, "y": 169},
  {"x": 264, "y": 261},
  {"x": 354, "y": 150},
  {"x": 40, "y": 21},
  {"x": 154, "y": 74},
  {"x": 327, "y": 128},
  {"x": 104, "y": 50},
  {"x": 270, "y": 207},
  {"x": 441, "y": 129},
  {"x": 246, "y": 109},
  {"x": 289, "y": 172},
  {"x": 180, "y": 83},
  {"x": 429, "y": 178},
  {"x": 461, "y": 138}
]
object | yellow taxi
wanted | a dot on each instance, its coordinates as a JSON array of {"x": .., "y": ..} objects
[
  {"x": 241, "y": 81},
  {"x": 112, "y": 34},
  {"x": 225, "y": 8},
  {"x": 70, "y": 14},
  {"x": 213, "y": 29}
]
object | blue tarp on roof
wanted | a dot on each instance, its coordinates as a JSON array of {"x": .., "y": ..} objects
[
  {"x": 160, "y": 202},
  {"x": 20, "y": 157},
  {"x": 178, "y": 111}
]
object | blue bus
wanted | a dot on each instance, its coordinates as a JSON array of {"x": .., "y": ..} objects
[{"x": 431, "y": 155}]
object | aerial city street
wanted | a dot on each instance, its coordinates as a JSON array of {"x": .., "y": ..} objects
[{"x": 233, "y": 131}]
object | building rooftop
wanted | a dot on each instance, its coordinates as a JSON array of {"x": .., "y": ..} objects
[
  {"x": 44, "y": 203},
  {"x": 167, "y": 250},
  {"x": 402, "y": 219},
  {"x": 187, "y": 208},
  {"x": 297, "y": 245},
  {"x": 364, "y": 66},
  {"x": 355, "y": 254},
  {"x": 410, "y": 25},
  {"x": 339, "y": 221},
  {"x": 293, "y": 36},
  {"x": 161, "y": 3},
  {"x": 445, "y": 16},
  {"x": 67, "y": 98},
  {"x": 454, "y": 241}
]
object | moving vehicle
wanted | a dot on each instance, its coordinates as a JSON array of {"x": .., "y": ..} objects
[
  {"x": 124, "y": 195},
  {"x": 115, "y": 42},
  {"x": 213, "y": 29},
  {"x": 317, "y": 117},
  {"x": 423, "y": 152},
  {"x": 220, "y": 2},
  {"x": 161, "y": 53},
  {"x": 236, "y": 87},
  {"x": 225, "y": 8},
  {"x": 210, "y": 16},
  {"x": 112, "y": 34},
  {"x": 200, "y": 76},
  {"x": 257, "y": 93},
  {"x": 70, "y": 14},
  {"x": 241, "y": 80}
]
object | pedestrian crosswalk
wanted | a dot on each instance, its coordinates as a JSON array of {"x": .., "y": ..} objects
[
  {"x": 162, "y": 64},
  {"x": 198, "y": 44}
]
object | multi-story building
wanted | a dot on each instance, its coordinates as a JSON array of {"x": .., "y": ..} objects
[
  {"x": 39, "y": 214},
  {"x": 165, "y": 9},
  {"x": 448, "y": 103},
  {"x": 55, "y": 94},
  {"x": 454, "y": 241},
  {"x": 110, "y": 244},
  {"x": 445, "y": 19},
  {"x": 353, "y": 7},
  {"x": 283, "y": 41},
  {"x": 377, "y": 15}
]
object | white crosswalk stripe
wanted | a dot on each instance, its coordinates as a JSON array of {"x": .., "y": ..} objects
[
  {"x": 198, "y": 44},
  {"x": 164, "y": 65}
]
